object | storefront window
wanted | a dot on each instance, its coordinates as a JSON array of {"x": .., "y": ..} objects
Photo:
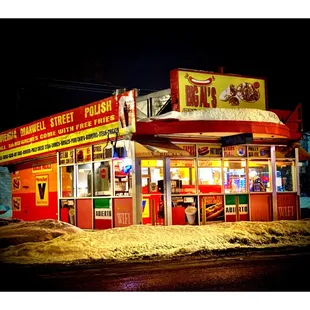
[
  {"x": 67, "y": 181},
  {"x": 209, "y": 176},
  {"x": 84, "y": 180},
  {"x": 102, "y": 179},
  {"x": 182, "y": 176},
  {"x": 122, "y": 179},
  {"x": 152, "y": 176},
  {"x": 235, "y": 176},
  {"x": 286, "y": 176},
  {"x": 260, "y": 176}
]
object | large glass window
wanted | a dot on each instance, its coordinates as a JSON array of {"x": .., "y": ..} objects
[
  {"x": 84, "y": 180},
  {"x": 182, "y": 176},
  {"x": 209, "y": 176},
  {"x": 235, "y": 176},
  {"x": 152, "y": 176},
  {"x": 286, "y": 176},
  {"x": 260, "y": 176},
  {"x": 102, "y": 179},
  {"x": 67, "y": 181}
]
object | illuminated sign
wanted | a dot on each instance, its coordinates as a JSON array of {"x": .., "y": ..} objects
[
  {"x": 194, "y": 90},
  {"x": 83, "y": 125}
]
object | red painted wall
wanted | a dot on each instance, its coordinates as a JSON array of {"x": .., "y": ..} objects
[{"x": 25, "y": 194}]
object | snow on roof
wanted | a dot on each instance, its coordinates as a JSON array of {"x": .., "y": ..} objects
[
  {"x": 141, "y": 241},
  {"x": 240, "y": 114}
]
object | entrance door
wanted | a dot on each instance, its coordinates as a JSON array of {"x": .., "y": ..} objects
[{"x": 152, "y": 187}]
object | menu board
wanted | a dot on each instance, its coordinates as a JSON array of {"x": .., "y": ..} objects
[
  {"x": 285, "y": 152},
  {"x": 258, "y": 151},
  {"x": 66, "y": 157},
  {"x": 235, "y": 151},
  {"x": 210, "y": 150},
  {"x": 98, "y": 151}
]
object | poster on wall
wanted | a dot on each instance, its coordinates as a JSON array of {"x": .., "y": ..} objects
[
  {"x": 42, "y": 190},
  {"x": 212, "y": 207},
  {"x": 15, "y": 183},
  {"x": 17, "y": 204}
]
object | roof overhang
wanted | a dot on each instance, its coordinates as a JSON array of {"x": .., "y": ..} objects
[{"x": 216, "y": 129}]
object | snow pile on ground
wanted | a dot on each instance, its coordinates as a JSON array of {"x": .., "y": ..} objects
[
  {"x": 16, "y": 233},
  {"x": 240, "y": 114},
  {"x": 157, "y": 242}
]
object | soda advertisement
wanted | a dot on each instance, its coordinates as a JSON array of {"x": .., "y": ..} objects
[
  {"x": 112, "y": 116},
  {"x": 195, "y": 90}
]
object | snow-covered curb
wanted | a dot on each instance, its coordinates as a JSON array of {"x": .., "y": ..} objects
[{"x": 161, "y": 242}]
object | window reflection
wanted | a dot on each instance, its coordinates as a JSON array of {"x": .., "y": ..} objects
[
  {"x": 67, "y": 181},
  {"x": 102, "y": 179},
  {"x": 84, "y": 188},
  {"x": 260, "y": 176},
  {"x": 285, "y": 176}
]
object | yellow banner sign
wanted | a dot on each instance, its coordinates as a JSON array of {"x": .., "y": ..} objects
[
  {"x": 42, "y": 190},
  {"x": 194, "y": 90}
]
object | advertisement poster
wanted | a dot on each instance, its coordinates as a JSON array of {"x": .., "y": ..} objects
[
  {"x": 194, "y": 90},
  {"x": 42, "y": 190},
  {"x": 96, "y": 121},
  {"x": 211, "y": 209},
  {"x": 16, "y": 183},
  {"x": 17, "y": 204}
]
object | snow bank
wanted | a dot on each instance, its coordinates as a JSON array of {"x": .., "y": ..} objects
[
  {"x": 139, "y": 242},
  {"x": 16, "y": 233}
]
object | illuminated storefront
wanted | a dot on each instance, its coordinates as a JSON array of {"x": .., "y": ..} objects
[{"x": 97, "y": 167}]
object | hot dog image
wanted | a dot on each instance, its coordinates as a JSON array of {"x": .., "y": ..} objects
[
  {"x": 203, "y": 150},
  {"x": 196, "y": 82},
  {"x": 213, "y": 211}
]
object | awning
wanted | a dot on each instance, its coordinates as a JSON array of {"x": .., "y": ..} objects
[
  {"x": 302, "y": 153},
  {"x": 159, "y": 149}
]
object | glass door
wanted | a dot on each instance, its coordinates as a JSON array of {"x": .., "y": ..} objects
[{"x": 152, "y": 186}]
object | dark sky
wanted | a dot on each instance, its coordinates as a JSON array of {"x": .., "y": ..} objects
[{"x": 38, "y": 55}]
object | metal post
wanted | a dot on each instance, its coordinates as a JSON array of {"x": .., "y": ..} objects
[
  {"x": 274, "y": 183},
  {"x": 136, "y": 190},
  {"x": 167, "y": 191}
]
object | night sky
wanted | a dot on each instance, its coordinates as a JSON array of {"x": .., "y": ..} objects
[{"x": 51, "y": 65}]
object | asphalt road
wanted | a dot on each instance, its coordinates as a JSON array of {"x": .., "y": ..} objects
[{"x": 268, "y": 272}]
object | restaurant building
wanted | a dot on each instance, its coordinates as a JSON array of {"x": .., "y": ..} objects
[{"x": 205, "y": 150}]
